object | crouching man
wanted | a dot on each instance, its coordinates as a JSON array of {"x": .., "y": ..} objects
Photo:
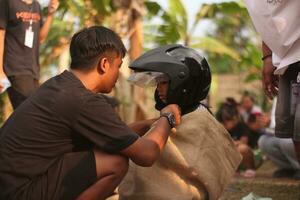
[{"x": 66, "y": 141}]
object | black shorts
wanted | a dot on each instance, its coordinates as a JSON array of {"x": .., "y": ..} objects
[
  {"x": 66, "y": 179},
  {"x": 22, "y": 86},
  {"x": 288, "y": 122}
]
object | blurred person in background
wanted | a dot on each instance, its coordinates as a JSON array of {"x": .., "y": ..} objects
[
  {"x": 22, "y": 29},
  {"x": 254, "y": 117},
  {"x": 228, "y": 114},
  {"x": 248, "y": 106}
]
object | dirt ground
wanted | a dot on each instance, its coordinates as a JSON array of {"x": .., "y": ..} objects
[{"x": 263, "y": 185}]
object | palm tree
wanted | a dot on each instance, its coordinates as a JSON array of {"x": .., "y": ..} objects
[
  {"x": 174, "y": 29},
  {"x": 128, "y": 22}
]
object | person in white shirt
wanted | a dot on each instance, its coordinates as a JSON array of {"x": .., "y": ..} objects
[
  {"x": 248, "y": 107},
  {"x": 278, "y": 24}
]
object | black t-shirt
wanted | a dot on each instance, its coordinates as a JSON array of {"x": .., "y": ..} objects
[
  {"x": 61, "y": 117},
  {"x": 15, "y": 17},
  {"x": 253, "y": 138}
]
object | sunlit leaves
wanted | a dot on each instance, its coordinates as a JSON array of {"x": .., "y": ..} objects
[{"x": 212, "y": 45}]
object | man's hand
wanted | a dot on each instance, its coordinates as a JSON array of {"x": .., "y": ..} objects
[
  {"x": 269, "y": 80},
  {"x": 52, "y": 6},
  {"x": 175, "y": 110}
]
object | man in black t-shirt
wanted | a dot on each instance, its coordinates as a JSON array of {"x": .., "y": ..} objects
[
  {"x": 21, "y": 31},
  {"x": 66, "y": 141}
]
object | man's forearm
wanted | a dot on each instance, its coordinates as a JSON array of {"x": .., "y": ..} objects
[
  {"x": 141, "y": 127},
  {"x": 159, "y": 132},
  {"x": 147, "y": 149}
]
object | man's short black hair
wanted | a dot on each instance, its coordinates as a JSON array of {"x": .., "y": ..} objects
[{"x": 90, "y": 44}]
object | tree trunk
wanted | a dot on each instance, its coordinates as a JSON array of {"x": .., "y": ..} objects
[{"x": 128, "y": 23}]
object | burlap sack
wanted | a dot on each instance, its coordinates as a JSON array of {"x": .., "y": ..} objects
[{"x": 198, "y": 160}]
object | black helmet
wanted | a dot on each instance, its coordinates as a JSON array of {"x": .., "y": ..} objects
[{"x": 187, "y": 70}]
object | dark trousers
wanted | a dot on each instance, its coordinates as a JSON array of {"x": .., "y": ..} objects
[
  {"x": 22, "y": 86},
  {"x": 287, "y": 124}
]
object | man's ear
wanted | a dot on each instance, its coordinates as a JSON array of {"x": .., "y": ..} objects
[{"x": 103, "y": 65}]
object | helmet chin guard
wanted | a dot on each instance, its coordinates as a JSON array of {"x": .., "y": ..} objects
[{"x": 187, "y": 70}]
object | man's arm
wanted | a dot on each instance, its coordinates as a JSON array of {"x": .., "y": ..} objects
[
  {"x": 269, "y": 80},
  {"x": 52, "y": 7},
  {"x": 141, "y": 127},
  {"x": 146, "y": 150}
]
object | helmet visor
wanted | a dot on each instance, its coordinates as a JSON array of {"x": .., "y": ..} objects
[{"x": 146, "y": 79}]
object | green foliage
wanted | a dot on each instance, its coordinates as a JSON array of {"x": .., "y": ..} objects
[
  {"x": 153, "y": 8},
  {"x": 71, "y": 16},
  {"x": 179, "y": 14},
  {"x": 173, "y": 24},
  {"x": 215, "y": 46},
  {"x": 224, "y": 8},
  {"x": 72, "y": 7},
  {"x": 104, "y": 7},
  {"x": 59, "y": 30},
  {"x": 174, "y": 29},
  {"x": 234, "y": 28}
]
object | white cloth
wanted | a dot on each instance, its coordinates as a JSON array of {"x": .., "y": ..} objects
[
  {"x": 255, "y": 110},
  {"x": 277, "y": 21}
]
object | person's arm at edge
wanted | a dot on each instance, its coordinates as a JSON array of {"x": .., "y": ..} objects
[
  {"x": 146, "y": 150},
  {"x": 269, "y": 80},
  {"x": 266, "y": 51},
  {"x": 52, "y": 7},
  {"x": 45, "y": 28},
  {"x": 2, "y": 39}
]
